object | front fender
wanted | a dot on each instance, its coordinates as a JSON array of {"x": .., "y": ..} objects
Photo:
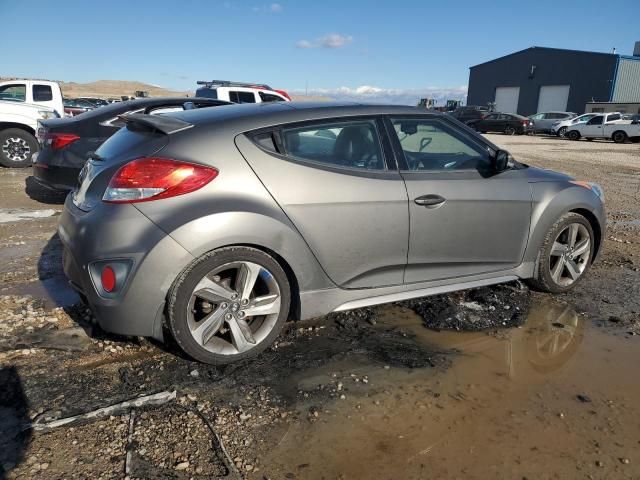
[{"x": 551, "y": 200}]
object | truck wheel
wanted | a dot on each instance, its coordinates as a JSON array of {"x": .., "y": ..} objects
[
  {"x": 573, "y": 135},
  {"x": 619, "y": 136},
  {"x": 16, "y": 147}
]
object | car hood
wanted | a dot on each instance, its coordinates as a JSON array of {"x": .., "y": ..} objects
[{"x": 536, "y": 174}]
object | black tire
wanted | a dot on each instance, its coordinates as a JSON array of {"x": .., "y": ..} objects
[
  {"x": 182, "y": 288},
  {"x": 573, "y": 135},
  {"x": 619, "y": 136},
  {"x": 542, "y": 279},
  {"x": 562, "y": 132},
  {"x": 509, "y": 130},
  {"x": 16, "y": 142}
]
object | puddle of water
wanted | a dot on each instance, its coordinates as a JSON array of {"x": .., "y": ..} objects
[
  {"x": 18, "y": 215},
  {"x": 506, "y": 408}
]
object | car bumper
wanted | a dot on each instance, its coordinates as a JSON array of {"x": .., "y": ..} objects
[
  {"x": 57, "y": 169},
  {"x": 121, "y": 233}
]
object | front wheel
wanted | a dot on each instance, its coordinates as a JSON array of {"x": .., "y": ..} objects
[
  {"x": 562, "y": 132},
  {"x": 16, "y": 147},
  {"x": 573, "y": 135},
  {"x": 229, "y": 305},
  {"x": 565, "y": 254}
]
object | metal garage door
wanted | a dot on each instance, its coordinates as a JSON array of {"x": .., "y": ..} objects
[
  {"x": 553, "y": 98},
  {"x": 507, "y": 99}
]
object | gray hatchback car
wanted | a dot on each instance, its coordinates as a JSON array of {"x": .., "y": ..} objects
[{"x": 218, "y": 225}]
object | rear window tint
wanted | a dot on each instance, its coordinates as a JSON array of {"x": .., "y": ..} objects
[{"x": 128, "y": 138}]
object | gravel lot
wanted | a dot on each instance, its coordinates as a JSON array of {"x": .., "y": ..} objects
[{"x": 492, "y": 383}]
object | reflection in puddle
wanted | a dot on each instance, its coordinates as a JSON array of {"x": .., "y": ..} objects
[{"x": 501, "y": 410}]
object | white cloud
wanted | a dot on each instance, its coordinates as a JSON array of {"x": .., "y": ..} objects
[
  {"x": 304, "y": 44},
  {"x": 330, "y": 40},
  {"x": 271, "y": 8},
  {"x": 398, "y": 96}
]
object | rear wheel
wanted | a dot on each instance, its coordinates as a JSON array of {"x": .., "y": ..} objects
[
  {"x": 619, "y": 136},
  {"x": 509, "y": 130},
  {"x": 229, "y": 305},
  {"x": 565, "y": 254},
  {"x": 573, "y": 135},
  {"x": 16, "y": 147}
]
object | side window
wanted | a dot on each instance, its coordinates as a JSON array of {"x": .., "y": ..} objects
[
  {"x": 268, "y": 97},
  {"x": 432, "y": 145},
  {"x": 15, "y": 92},
  {"x": 504, "y": 116},
  {"x": 491, "y": 117},
  {"x": 596, "y": 120},
  {"x": 352, "y": 144},
  {"x": 42, "y": 93},
  {"x": 613, "y": 118},
  {"x": 241, "y": 97},
  {"x": 538, "y": 116}
]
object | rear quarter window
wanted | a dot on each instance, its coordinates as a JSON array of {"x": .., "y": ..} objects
[{"x": 42, "y": 93}]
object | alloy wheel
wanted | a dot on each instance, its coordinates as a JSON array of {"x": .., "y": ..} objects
[
  {"x": 562, "y": 132},
  {"x": 570, "y": 254},
  {"x": 233, "y": 308},
  {"x": 509, "y": 131},
  {"x": 16, "y": 149}
]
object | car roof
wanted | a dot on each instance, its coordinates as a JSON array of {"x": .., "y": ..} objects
[{"x": 249, "y": 116}]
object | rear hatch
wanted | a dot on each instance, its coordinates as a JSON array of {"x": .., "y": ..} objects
[{"x": 144, "y": 135}]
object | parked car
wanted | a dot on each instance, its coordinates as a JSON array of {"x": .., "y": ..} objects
[
  {"x": 469, "y": 113},
  {"x": 66, "y": 142},
  {"x": 559, "y": 128},
  {"x": 22, "y": 104},
  {"x": 18, "y": 125},
  {"x": 98, "y": 102},
  {"x": 239, "y": 92},
  {"x": 508, "y": 123},
  {"x": 543, "y": 122},
  {"x": 220, "y": 224},
  {"x": 34, "y": 92},
  {"x": 605, "y": 125},
  {"x": 76, "y": 106}
]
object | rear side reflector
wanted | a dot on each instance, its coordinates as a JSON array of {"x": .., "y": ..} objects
[
  {"x": 108, "y": 279},
  {"x": 153, "y": 178},
  {"x": 60, "y": 140}
]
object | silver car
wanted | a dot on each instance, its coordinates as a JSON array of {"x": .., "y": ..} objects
[
  {"x": 544, "y": 122},
  {"x": 218, "y": 225}
]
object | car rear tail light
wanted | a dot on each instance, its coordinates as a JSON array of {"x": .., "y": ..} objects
[
  {"x": 153, "y": 178},
  {"x": 284, "y": 94},
  {"x": 108, "y": 279},
  {"x": 59, "y": 140}
]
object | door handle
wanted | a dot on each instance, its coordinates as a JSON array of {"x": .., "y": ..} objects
[{"x": 430, "y": 201}]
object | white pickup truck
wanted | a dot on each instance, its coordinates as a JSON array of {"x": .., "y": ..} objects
[
  {"x": 605, "y": 125},
  {"x": 22, "y": 104}
]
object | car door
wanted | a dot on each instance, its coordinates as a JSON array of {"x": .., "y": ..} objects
[
  {"x": 492, "y": 123},
  {"x": 538, "y": 121},
  {"x": 593, "y": 128},
  {"x": 464, "y": 219},
  {"x": 338, "y": 182}
]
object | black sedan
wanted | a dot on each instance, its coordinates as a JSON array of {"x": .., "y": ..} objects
[
  {"x": 508, "y": 123},
  {"x": 66, "y": 142}
]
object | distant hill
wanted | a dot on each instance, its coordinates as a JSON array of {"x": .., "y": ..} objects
[{"x": 118, "y": 88}]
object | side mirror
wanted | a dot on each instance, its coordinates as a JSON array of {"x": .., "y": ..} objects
[{"x": 501, "y": 160}]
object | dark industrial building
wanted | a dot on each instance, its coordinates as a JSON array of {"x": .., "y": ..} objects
[{"x": 540, "y": 79}]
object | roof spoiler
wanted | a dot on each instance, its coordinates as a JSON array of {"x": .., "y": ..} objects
[{"x": 162, "y": 123}]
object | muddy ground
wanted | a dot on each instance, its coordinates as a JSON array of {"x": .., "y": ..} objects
[{"x": 491, "y": 383}]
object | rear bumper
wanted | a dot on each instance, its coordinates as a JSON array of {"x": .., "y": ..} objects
[
  {"x": 58, "y": 178},
  {"x": 121, "y": 232}
]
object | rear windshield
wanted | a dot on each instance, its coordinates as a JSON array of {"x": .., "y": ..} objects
[
  {"x": 207, "y": 93},
  {"x": 129, "y": 139}
]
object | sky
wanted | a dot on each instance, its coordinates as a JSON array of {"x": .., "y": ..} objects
[{"x": 390, "y": 51}]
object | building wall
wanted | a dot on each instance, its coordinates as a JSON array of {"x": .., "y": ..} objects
[
  {"x": 627, "y": 87},
  {"x": 589, "y": 74}
]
